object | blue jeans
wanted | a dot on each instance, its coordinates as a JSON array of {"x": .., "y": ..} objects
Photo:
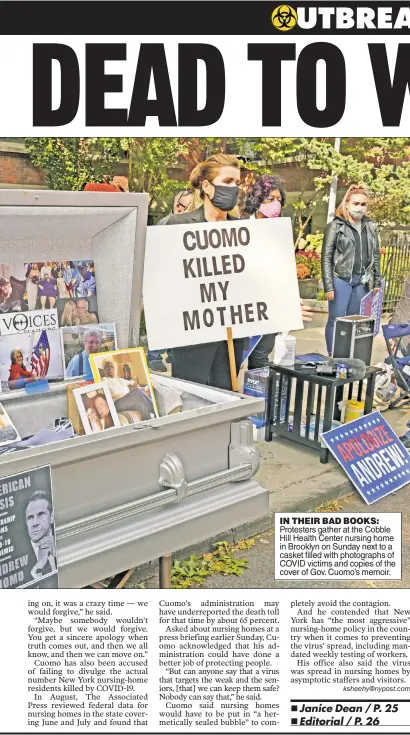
[
  {"x": 346, "y": 302},
  {"x": 155, "y": 354}
]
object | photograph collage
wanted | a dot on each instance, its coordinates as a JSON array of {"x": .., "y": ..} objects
[{"x": 50, "y": 331}]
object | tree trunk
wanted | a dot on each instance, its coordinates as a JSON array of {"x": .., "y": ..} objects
[{"x": 302, "y": 227}]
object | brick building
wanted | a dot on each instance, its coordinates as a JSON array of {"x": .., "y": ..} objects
[{"x": 16, "y": 170}]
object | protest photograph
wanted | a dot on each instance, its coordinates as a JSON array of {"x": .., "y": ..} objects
[
  {"x": 237, "y": 308},
  {"x": 273, "y": 273}
]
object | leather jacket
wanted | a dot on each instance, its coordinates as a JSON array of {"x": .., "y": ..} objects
[
  {"x": 338, "y": 251},
  {"x": 186, "y": 218}
]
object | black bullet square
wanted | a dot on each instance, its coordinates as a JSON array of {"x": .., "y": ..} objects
[
  {"x": 293, "y": 721},
  {"x": 294, "y": 708}
]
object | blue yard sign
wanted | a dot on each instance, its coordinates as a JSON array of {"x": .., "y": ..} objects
[
  {"x": 253, "y": 342},
  {"x": 371, "y": 454},
  {"x": 372, "y": 305}
]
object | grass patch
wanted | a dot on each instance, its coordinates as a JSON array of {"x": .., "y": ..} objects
[
  {"x": 333, "y": 506},
  {"x": 190, "y": 573}
]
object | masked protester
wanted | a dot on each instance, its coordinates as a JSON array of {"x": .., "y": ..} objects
[
  {"x": 266, "y": 199},
  {"x": 217, "y": 180},
  {"x": 350, "y": 258}
]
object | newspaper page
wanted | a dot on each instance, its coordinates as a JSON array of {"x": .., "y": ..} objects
[{"x": 205, "y": 428}]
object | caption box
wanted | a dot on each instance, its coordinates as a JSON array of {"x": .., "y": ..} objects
[{"x": 337, "y": 546}]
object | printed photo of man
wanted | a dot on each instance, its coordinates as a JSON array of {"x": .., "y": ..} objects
[
  {"x": 40, "y": 521},
  {"x": 83, "y": 314},
  {"x": 80, "y": 364}
]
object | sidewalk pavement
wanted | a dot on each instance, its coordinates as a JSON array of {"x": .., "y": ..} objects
[
  {"x": 293, "y": 474},
  {"x": 259, "y": 573},
  {"x": 312, "y": 339}
]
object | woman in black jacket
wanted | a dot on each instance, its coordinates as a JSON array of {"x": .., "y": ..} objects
[
  {"x": 350, "y": 258},
  {"x": 217, "y": 180},
  {"x": 266, "y": 198}
]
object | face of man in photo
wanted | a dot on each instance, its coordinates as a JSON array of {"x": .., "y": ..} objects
[
  {"x": 82, "y": 307},
  {"x": 92, "y": 344},
  {"x": 38, "y": 519},
  {"x": 109, "y": 369},
  {"x": 102, "y": 408}
]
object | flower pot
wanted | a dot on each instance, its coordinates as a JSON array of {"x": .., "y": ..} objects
[{"x": 308, "y": 288}]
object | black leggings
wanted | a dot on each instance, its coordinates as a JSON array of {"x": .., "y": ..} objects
[{"x": 259, "y": 357}]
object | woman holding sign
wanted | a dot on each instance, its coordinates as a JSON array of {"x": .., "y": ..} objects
[
  {"x": 350, "y": 258},
  {"x": 266, "y": 198},
  {"x": 217, "y": 180}
]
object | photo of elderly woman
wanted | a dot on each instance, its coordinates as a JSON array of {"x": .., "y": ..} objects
[
  {"x": 19, "y": 375},
  {"x": 47, "y": 289},
  {"x": 126, "y": 374},
  {"x": 28, "y": 357}
]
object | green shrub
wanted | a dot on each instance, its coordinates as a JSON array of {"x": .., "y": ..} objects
[{"x": 143, "y": 328}]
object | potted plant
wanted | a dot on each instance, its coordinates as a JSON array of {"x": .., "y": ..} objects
[{"x": 308, "y": 271}]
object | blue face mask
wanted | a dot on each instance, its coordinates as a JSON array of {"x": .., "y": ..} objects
[{"x": 225, "y": 197}]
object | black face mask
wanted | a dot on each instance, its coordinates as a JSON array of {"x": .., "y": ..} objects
[{"x": 225, "y": 197}]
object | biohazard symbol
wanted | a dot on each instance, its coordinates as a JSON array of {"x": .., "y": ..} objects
[{"x": 284, "y": 18}]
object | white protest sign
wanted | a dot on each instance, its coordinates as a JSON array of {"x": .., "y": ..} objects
[{"x": 202, "y": 277}]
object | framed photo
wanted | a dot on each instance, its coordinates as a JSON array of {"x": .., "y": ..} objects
[
  {"x": 125, "y": 373},
  {"x": 25, "y": 358},
  {"x": 8, "y": 432},
  {"x": 96, "y": 408},
  {"x": 78, "y": 343}
]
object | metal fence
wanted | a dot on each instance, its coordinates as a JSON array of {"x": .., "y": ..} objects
[{"x": 395, "y": 267}]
